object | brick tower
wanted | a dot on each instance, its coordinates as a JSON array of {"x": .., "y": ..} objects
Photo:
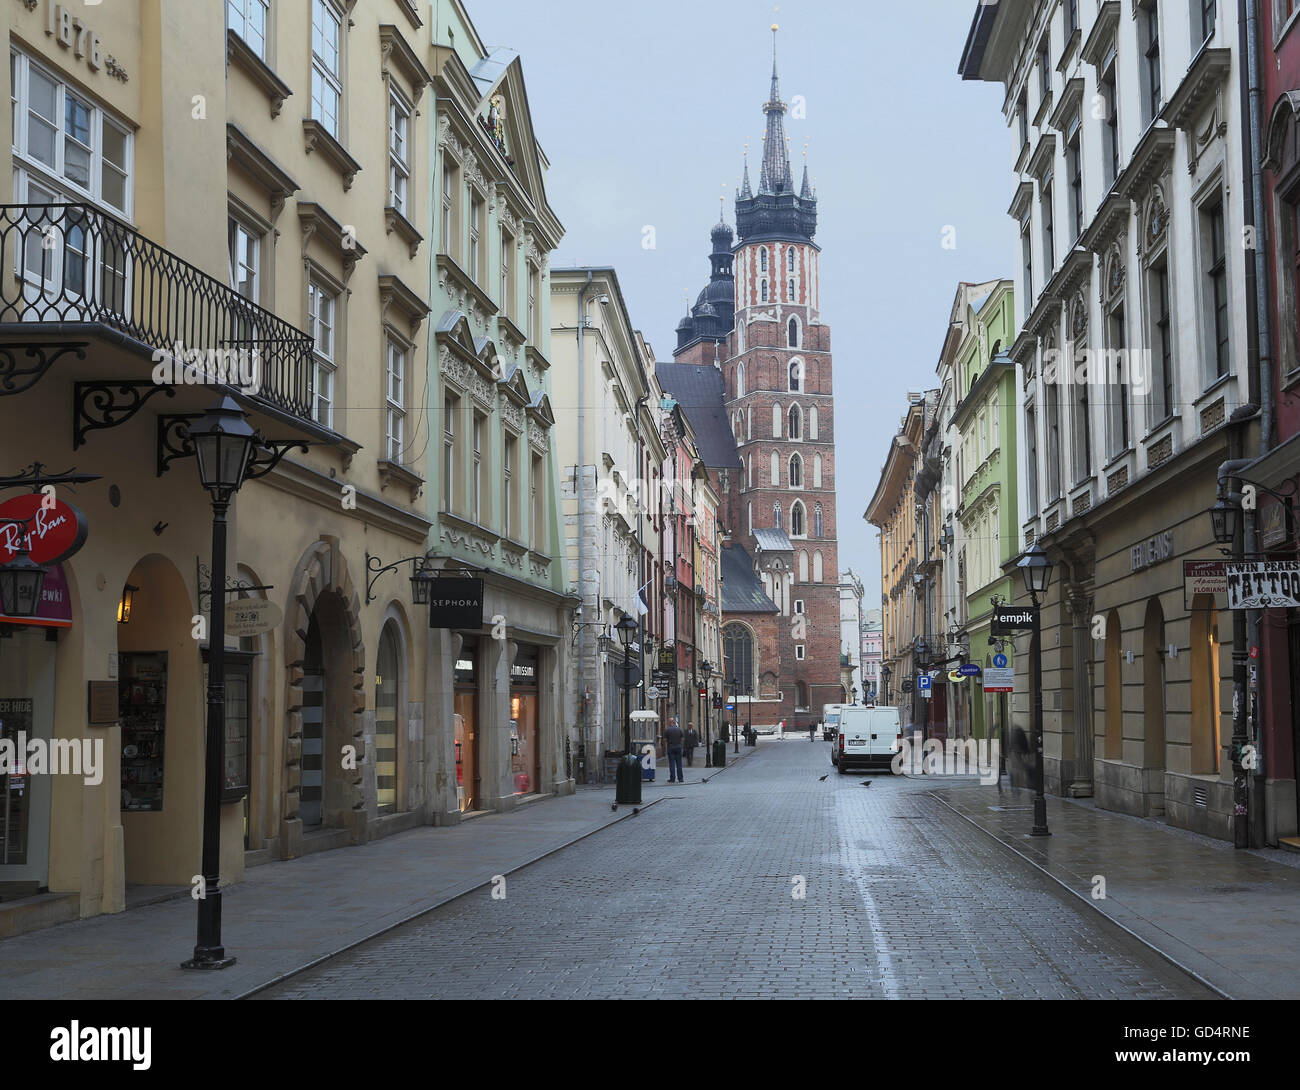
[{"x": 774, "y": 354}]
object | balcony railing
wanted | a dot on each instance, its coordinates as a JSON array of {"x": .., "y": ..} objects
[{"x": 74, "y": 263}]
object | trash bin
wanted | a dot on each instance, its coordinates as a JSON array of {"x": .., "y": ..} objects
[
  {"x": 751, "y": 737},
  {"x": 627, "y": 780},
  {"x": 719, "y": 753}
]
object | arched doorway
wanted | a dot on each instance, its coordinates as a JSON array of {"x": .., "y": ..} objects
[
  {"x": 324, "y": 743},
  {"x": 1205, "y": 686},
  {"x": 1114, "y": 688},
  {"x": 1153, "y": 687}
]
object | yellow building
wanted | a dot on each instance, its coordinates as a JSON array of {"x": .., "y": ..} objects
[{"x": 268, "y": 207}]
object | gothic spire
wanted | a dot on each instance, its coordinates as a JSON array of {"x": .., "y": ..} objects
[
  {"x": 775, "y": 174},
  {"x": 804, "y": 190},
  {"x": 745, "y": 191}
]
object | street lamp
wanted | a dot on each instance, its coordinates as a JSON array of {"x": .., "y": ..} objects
[
  {"x": 735, "y": 699},
  {"x": 223, "y": 445},
  {"x": 706, "y": 668},
  {"x": 1225, "y": 518},
  {"x": 885, "y": 673},
  {"x": 1036, "y": 566},
  {"x": 21, "y": 580},
  {"x": 626, "y": 630},
  {"x": 422, "y": 583},
  {"x": 922, "y": 652}
]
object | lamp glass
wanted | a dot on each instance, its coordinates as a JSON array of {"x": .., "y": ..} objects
[
  {"x": 1037, "y": 569},
  {"x": 21, "y": 583},
  {"x": 223, "y": 444},
  {"x": 1224, "y": 518},
  {"x": 626, "y": 629}
]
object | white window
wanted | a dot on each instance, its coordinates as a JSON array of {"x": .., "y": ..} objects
[
  {"x": 247, "y": 18},
  {"x": 320, "y": 324},
  {"x": 750, "y": 471},
  {"x": 812, "y": 422},
  {"x": 799, "y": 651},
  {"x": 62, "y": 139},
  {"x": 798, "y": 602},
  {"x": 244, "y": 254},
  {"x": 817, "y": 471},
  {"x": 476, "y": 482},
  {"x": 506, "y": 290},
  {"x": 740, "y": 379},
  {"x": 395, "y": 402},
  {"x": 775, "y": 477},
  {"x": 448, "y": 209},
  {"x": 449, "y": 406},
  {"x": 776, "y": 421},
  {"x": 326, "y": 70},
  {"x": 817, "y": 566},
  {"x": 399, "y": 152}
]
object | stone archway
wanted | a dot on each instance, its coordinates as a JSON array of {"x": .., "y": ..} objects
[{"x": 322, "y": 590}]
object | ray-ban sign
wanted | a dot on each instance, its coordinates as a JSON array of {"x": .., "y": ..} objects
[
  {"x": 456, "y": 602},
  {"x": 1263, "y": 584}
]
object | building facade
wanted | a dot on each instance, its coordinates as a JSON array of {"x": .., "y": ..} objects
[
  {"x": 852, "y": 680},
  {"x": 1135, "y": 382}
]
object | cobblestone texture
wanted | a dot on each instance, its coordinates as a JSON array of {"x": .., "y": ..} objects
[{"x": 693, "y": 899}]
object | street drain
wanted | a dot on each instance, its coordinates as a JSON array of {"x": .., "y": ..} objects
[
  {"x": 1230, "y": 889},
  {"x": 1010, "y": 809}
]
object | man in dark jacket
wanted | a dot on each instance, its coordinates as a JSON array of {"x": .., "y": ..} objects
[
  {"x": 673, "y": 739},
  {"x": 688, "y": 746}
]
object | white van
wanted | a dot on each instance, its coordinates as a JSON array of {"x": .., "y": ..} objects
[
  {"x": 830, "y": 721},
  {"x": 868, "y": 737}
]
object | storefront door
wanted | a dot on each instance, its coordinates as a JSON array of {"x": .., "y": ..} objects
[
  {"x": 525, "y": 766},
  {"x": 468, "y": 792},
  {"x": 26, "y": 713}
]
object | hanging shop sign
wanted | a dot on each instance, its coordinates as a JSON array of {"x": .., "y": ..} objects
[
  {"x": 456, "y": 602},
  {"x": 1008, "y": 620},
  {"x": 1204, "y": 577},
  {"x": 54, "y": 530},
  {"x": 1272, "y": 525},
  {"x": 55, "y": 610},
  {"x": 969, "y": 669},
  {"x": 251, "y": 617},
  {"x": 667, "y": 658},
  {"x": 1263, "y": 584}
]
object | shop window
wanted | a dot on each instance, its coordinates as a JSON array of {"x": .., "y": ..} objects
[
  {"x": 142, "y": 711},
  {"x": 525, "y": 756},
  {"x": 1205, "y": 686},
  {"x": 387, "y": 715}
]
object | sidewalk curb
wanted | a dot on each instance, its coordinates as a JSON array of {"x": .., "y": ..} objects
[
  {"x": 282, "y": 977},
  {"x": 1086, "y": 900}
]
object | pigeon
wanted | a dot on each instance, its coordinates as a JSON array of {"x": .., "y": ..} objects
[
  {"x": 636, "y": 809},
  {"x": 865, "y": 783},
  {"x": 822, "y": 778},
  {"x": 614, "y": 807}
]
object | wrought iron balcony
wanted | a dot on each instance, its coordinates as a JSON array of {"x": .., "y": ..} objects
[{"x": 73, "y": 263}]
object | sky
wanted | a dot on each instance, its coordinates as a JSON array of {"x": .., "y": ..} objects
[{"x": 644, "y": 112}]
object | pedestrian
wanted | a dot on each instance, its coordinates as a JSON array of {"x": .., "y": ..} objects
[
  {"x": 673, "y": 738},
  {"x": 812, "y": 729},
  {"x": 691, "y": 741}
]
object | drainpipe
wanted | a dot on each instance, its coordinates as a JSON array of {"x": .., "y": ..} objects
[
  {"x": 1240, "y": 693},
  {"x": 640, "y": 547},
  {"x": 579, "y": 480},
  {"x": 1260, "y": 316}
]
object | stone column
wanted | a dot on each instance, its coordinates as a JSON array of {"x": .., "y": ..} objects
[{"x": 1081, "y": 637}]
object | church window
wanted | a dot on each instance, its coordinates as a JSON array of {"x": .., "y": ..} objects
[
  {"x": 796, "y": 368},
  {"x": 776, "y": 516},
  {"x": 790, "y": 258},
  {"x": 740, "y": 380},
  {"x": 762, "y": 261},
  {"x": 817, "y": 521},
  {"x": 796, "y": 471},
  {"x": 796, "y": 422},
  {"x": 796, "y": 520},
  {"x": 763, "y": 289},
  {"x": 793, "y": 337}
]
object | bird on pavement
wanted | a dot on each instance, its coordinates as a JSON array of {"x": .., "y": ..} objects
[
  {"x": 821, "y": 778},
  {"x": 865, "y": 783},
  {"x": 614, "y": 806}
]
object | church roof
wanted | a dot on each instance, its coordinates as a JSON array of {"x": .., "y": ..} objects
[
  {"x": 772, "y": 541},
  {"x": 699, "y": 389},
  {"x": 742, "y": 589}
]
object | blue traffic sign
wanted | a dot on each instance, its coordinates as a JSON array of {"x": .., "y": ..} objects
[
  {"x": 923, "y": 681},
  {"x": 1000, "y": 660},
  {"x": 969, "y": 669}
]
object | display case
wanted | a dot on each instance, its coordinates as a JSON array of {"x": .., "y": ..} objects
[{"x": 142, "y": 707}]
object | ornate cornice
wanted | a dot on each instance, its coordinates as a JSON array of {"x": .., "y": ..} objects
[{"x": 316, "y": 138}]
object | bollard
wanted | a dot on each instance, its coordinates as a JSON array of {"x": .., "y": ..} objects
[
  {"x": 627, "y": 781},
  {"x": 719, "y": 753}
]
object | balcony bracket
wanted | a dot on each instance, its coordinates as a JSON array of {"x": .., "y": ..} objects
[
  {"x": 268, "y": 454},
  {"x": 98, "y": 405},
  {"x": 16, "y": 378},
  {"x": 173, "y": 439}
]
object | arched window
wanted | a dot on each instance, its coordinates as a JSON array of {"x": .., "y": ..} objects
[
  {"x": 817, "y": 472},
  {"x": 776, "y": 516},
  {"x": 774, "y": 476},
  {"x": 776, "y": 421},
  {"x": 740, "y": 338},
  {"x": 803, "y": 566},
  {"x": 762, "y": 261},
  {"x": 796, "y": 422},
  {"x": 387, "y": 696},
  {"x": 793, "y": 335},
  {"x": 750, "y": 515},
  {"x": 789, "y": 289},
  {"x": 812, "y": 422},
  {"x": 751, "y": 471},
  {"x": 817, "y": 566},
  {"x": 796, "y": 374},
  {"x": 796, "y": 471},
  {"x": 797, "y": 528},
  {"x": 740, "y": 379},
  {"x": 763, "y": 288},
  {"x": 817, "y": 521},
  {"x": 749, "y": 422},
  {"x": 738, "y": 656},
  {"x": 789, "y": 255}
]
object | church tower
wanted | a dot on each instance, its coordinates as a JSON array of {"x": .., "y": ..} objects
[{"x": 778, "y": 380}]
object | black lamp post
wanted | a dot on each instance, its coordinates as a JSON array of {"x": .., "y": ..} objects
[
  {"x": 735, "y": 711},
  {"x": 627, "y": 629},
  {"x": 706, "y": 669},
  {"x": 1037, "y": 569},
  {"x": 21, "y": 580},
  {"x": 223, "y": 444},
  {"x": 885, "y": 673}
]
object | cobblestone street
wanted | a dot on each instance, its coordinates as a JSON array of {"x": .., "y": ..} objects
[{"x": 695, "y": 898}]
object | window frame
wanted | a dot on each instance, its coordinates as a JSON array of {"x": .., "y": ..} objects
[
  {"x": 325, "y": 364},
  {"x": 329, "y": 78},
  {"x": 399, "y": 164},
  {"x": 394, "y": 403},
  {"x": 262, "y": 54}
]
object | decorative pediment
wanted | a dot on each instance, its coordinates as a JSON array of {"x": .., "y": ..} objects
[
  {"x": 1151, "y": 158},
  {"x": 396, "y": 55},
  {"x": 399, "y": 300},
  {"x": 1040, "y": 163},
  {"x": 1199, "y": 87},
  {"x": 1021, "y": 202},
  {"x": 1067, "y": 109},
  {"x": 514, "y": 386},
  {"x": 1110, "y": 222},
  {"x": 1115, "y": 272},
  {"x": 265, "y": 171},
  {"x": 1102, "y": 36},
  {"x": 1078, "y": 317},
  {"x": 1155, "y": 222},
  {"x": 319, "y": 226},
  {"x": 540, "y": 408},
  {"x": 453, "y": 329},
  {"x": 1281, "y": 132}
]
